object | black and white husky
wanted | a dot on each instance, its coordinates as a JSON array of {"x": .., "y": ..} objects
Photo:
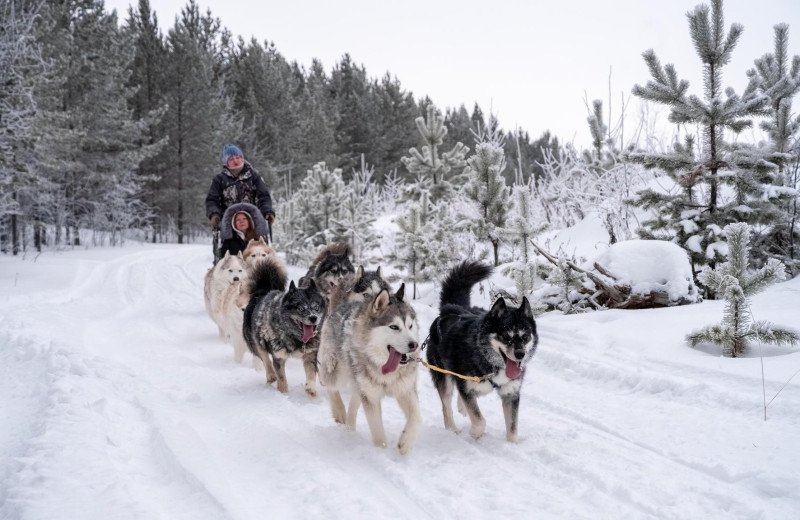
[
  {"x": 283, "y": 325},
  {"x": 492, "y": 345}
]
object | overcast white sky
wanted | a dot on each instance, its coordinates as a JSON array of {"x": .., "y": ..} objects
[{"x": 531, "y": 62}]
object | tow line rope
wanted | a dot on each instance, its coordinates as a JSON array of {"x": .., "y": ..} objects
[
  {"x": 442, "y": 370},
  {"x": 468, "y": 378}
]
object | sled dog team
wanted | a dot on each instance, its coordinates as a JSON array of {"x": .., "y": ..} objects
[{"x": 349, "y": 327}]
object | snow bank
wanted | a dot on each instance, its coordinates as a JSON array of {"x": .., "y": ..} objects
[{"x": 651, "y": 266}]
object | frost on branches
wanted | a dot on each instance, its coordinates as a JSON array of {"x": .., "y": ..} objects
[
  {"x": 429, "y": 241},
  {"x": 733, "y": 280},
  {"x": 520, "y": 232},
  {"x": 778, "y": 77},
  {"x": 486, "y": 188},
  {"x": 714, "y": 182},
  {"x": 428, "y": 163}
]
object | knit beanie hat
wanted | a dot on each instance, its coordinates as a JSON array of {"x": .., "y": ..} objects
[{"x": 228, "y": 151}]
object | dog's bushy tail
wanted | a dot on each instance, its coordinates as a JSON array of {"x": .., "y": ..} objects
[
  {"x": 266, "y": 276},
  {"x": 458, "y": 283}
]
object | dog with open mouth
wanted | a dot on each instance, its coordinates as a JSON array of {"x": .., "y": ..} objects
[
  {"x": 493, "y": 345},
  {"x": 366, "y": 347},
  {"x": 331, "y": 269},
  {"x": 281, "y": 325}
]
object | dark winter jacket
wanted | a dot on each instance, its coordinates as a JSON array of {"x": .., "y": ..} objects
[
  {"x": 227, "y": 190},
  {"x": 232, "y": 241}
]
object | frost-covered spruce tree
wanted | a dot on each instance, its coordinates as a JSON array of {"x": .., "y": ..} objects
[
  {"x": 521, "y": 230},
  {"x": 733, "y": 280},
  {"x": 408, "y": 244},
  {"x": 427, "y": 162},
  {"x": 430, "y": 240},
  {"x": 358, "y": 213},
  {"x": 20, "y": 67},
  {"x": 486, "y": 188},
  {"x": 610, "y": 177},
  {"x": 319, "y": 201},
  {"x": 778, "y": 77},
  {"x": 696, "y": 209}
]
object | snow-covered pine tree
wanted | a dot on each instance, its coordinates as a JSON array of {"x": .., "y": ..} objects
[
  {"x": 19, "y": 62},
  {"x": 486, "y": 188},
  {"x": 733, "y": 280},
  {"x": 778, "y": 77},
  {"x": 430, "y": 240},
  {"x": 87, "y": 144},
  {"x": 199, "y": 120},
  {"x": 408, "y": 244},
  {"x": 318, "y": 205},
  {"x": 696, "y": 209},
  {"x": 391, "y": 192},
  {"x": 428, "y": 162},
  {"x": 147, "y": 79},
  {"x": 358, "y": 212},
  {"x": 610, "y": 178},
  {"x": 521, "y": 230}
]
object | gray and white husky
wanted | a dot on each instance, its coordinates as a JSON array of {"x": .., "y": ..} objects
[
  {"x": 331, "y": 269},
  {"x": 366, "y": 346},
  {"x": 493, "y": 345},
  {"x": 363, "y": 285},
  {"x": 281, "y": 325}
]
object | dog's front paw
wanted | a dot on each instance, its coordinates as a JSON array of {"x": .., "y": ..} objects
[
  {"x": 477, "y": 430},
  {"x": 512, "y": 437},
  {"x": 283, "y": 387},
  {"x": 311, "y": 391},
  {"x": 406, "y": 443},
  {"x": 379, "y": 443}
]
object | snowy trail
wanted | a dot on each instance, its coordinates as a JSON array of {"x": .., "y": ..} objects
[{"x": 124, "y": 403}]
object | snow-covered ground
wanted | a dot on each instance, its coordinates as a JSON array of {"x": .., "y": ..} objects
[{"x": 118, "y": 400}]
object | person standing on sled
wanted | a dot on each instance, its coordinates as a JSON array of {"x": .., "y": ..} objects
[
  {"x": 238, "y": 182},
  {"x": 240, "y": 224}
]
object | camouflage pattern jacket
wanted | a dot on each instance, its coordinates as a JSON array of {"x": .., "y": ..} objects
[{"x": 227, "y": 190}]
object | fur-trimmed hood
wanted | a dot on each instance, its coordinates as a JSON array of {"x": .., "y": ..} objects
[{"x": 226, "y": 224}]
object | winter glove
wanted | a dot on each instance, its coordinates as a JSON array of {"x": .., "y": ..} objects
[
  {"x": 270, "y": 218},
  {"x": 214, "y": 222}
]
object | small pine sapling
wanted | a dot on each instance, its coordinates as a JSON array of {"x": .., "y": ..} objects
[{"x": 733, "y": 280}]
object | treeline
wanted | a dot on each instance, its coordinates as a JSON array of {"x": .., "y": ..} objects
[{"x": 112, "y": 126}]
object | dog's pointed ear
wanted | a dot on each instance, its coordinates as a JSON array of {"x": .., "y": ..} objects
[
  {"x": 381, "y": 301},
  {"x": 292, "y": 287},
  {"x": 401, "y": 293},
  {"x": 359, "y": 273},
  {"x": 239, "y": 254},
  {"x": 262, "y": 241},
  {"x": 227, "y": 254},
  {"x": 525, "y": 307},
  {"x": 498, "y": 309},
  {"x": 250, "y": 242},
  {"x": 312, "y": 285},
  {"x": 378, "y": 272}
]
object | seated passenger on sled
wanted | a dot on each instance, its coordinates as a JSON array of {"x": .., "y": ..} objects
[{"x": 241, "y": 223}]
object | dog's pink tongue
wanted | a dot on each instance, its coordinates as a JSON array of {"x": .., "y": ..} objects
[
  {"x": 513, "y": 369},
  {"x": 392, "y": 363},
  {"x": 309, "y": 331}
]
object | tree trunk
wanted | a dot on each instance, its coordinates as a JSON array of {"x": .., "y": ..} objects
[{"x": 14, "y": 234}]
